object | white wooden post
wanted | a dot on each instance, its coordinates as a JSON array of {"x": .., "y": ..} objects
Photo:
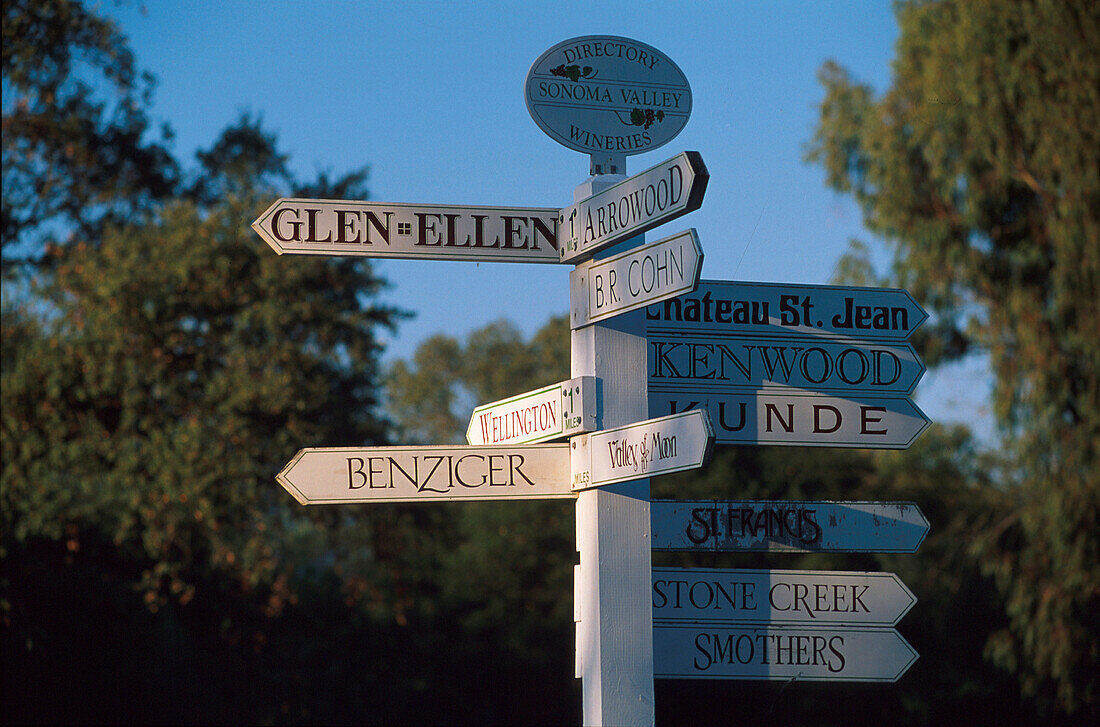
[{"x": 612, "y": 583}]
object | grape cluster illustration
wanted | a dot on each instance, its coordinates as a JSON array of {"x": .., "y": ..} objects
[
  {"x": 645, "y": 118},
  {"x": 573, "y": 73}
]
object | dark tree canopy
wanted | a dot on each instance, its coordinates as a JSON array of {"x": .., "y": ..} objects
[
  {"x": 79, "y": 149},
  {"x": 431, "y": 397},
  {"x": 980, "y": 165},
  {"x": 159, "y": 366}
]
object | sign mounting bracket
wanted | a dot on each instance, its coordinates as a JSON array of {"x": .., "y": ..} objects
[{"x": 606, "y": 163}]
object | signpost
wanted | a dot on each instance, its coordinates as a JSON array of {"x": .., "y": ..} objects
[
  {"x": 644, "y": 449},
  {"x": 330, "y": 475},
  {"x": 801, "y": 527},
  {"x": 551, "y": 412},
  {"x": 805, "y": 420},
  {"x": 633, "y": 206},
  {"x": 440, "y": 232},
  {"x": 780, "y": 653},
  {"x": 767, "y": 363},
  {"x": 716, "y": 306},
  {"x": 609, "y": 287},
  {"x": 762, "y": 597}
]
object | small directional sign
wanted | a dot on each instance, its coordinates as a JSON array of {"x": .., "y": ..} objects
[
  {"x": 552, "y": 412},
  {"x": 329, "y": 475},
  {"x": 796, "y": 419},
  {"x": 663, "y": 269},
  {"x": 801, "y": 526},
  {"x": 645, "y": 449},
  {"x": 802, "y": 597},
  {"x": 721, "y": 306},
  {"x": 779, "y": 653},
  {"x": 719, "y": 362},
  {"x": 634, "y": 205},
  {"x": 440, "y": 232}
]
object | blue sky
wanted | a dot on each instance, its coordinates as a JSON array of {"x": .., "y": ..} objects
[{"x": 430, "y": 96}]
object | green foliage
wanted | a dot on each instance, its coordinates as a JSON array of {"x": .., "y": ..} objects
[
  {"x": 155, "y": 376},
  {"x": 157, "y": 373},
  {"x": 147, "y": 410},
  {"x": 151, "y": 388},
  {"x": 502, "y": 572},
  {"x": 72, "y": 159},
  {"x": 981, "y": 166},
  {"x": 243, "y": 156},
  {"x": 43, "y": 39},
  {"x": 431, "y": 398}
]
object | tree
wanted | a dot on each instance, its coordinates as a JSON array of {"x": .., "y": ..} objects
[
  {"x": 73, "y": 160},
  {"x": 243, "y": 157},
  {"x": 432, "y": 397},
  {"x": 980, "y": 166},
  {"x": 159, "y": 367}
]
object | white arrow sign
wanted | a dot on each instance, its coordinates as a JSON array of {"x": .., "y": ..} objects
[
  {"x": 645, "y": 449},
  {"x": 779, "y": 653},
  {"x": 796, "y": 419},
  {"x": 723, "y": 306},
  {"x": 789, "y": 526},
  {"x": 648, "y": 274},
  {"x": 380, "y": 229},
  {"x": 330, "y": 475},
  {"x": 704, "y": 364},
  {"x": 555, "y": 411},
  {"x": 731, "y": 595},
  {"x": 634, "y": 205}
]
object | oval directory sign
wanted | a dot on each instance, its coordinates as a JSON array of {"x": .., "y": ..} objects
[{"x": 603, "y": 94}]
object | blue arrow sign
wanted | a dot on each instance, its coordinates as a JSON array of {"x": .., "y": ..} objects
[
  {"x": 792, "y": 418},
  {"x": 723, "y": 362},
  {"x": 779, "y": 653},
  {"x": 807, "y": 526},
  {"x": 769, "y": 309}
]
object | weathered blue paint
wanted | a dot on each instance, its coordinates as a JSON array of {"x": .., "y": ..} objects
[
  {"x": 846, "y": 599},
  {"x": 806, "y": 526},
  {"x": 779, "y": 653}
]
